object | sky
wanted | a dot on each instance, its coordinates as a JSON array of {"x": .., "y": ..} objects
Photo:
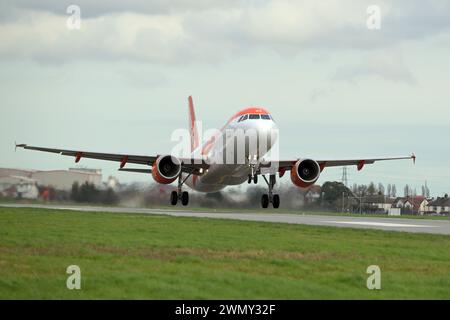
[{"x": 337, "y": 88}]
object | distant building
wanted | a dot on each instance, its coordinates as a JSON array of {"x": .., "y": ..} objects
[
  {"x": 58, "y": 179},
  {"x": 411, "y": 205},
  {"x": 112, "y": 183},
  {"x": 64, "y": 179},
  {"x": 379, "y": 203},
  {"x": 313, "y": 194},
  {"x": 441, "y": 205},
  {"x": 6, "y": 172},
  {"x": 18, "y": 187},
  {"x": 394, "y": 212}
]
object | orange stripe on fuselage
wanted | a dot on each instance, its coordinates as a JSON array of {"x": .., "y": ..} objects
[{"x": 250, "y": 110}]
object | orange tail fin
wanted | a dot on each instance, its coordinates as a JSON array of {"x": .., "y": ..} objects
[{"x": 195, "y": 141}]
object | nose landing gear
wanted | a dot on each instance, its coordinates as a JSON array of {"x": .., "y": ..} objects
[
  {"x": 253, "y": 176},
  {"x": 270, "y": 198},
  {"x": 179, "y": 195}
]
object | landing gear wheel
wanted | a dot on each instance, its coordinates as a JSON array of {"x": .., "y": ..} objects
[
  {"x": 276, "y": 201},
  {"x": 174, "y": 198},
  {"x": 265, "y": 201},
  {"x": 185, "y": 198},
  {"x": 179, "y": 195},
  {"x": 249, "y": 178},
  {"x": 255, "y": 179}
]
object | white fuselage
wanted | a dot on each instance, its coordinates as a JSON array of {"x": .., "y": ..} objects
[{"x": 235, "y": 172}]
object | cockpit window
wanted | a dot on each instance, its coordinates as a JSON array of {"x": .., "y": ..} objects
[
  {"x": 265, "y": 117},
  {"x": 254, "y": 116},
  {"x": 240, "y": 119},
  {"x": 245, "y": 117}
]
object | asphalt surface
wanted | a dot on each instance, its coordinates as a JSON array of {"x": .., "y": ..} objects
[{"x": 379, "y": 223}]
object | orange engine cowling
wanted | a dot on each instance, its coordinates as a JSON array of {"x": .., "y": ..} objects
[
  {"x": 305, "y": 172},
  {"x": 166, "y": 169}
]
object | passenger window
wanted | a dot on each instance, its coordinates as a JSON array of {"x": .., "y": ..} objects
[
  {"x": 265, "y": 117},
  {"x": 254, "y": 116}
]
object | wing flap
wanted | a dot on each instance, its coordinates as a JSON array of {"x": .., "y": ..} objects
[
  {"x": 190, "y": 165},
  {"x": 148, "y": 171},
  {"x": 288, "y": 164},
  {"x": 78, "y": 154}
]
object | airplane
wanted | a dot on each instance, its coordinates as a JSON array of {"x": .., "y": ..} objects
[{"x": 202, "y": 174}]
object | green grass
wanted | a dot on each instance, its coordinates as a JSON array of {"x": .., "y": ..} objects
[{"x": 159, "y": 257}]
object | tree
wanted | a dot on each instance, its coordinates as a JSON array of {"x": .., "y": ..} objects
[
  {"x": 425, "y": 190},
  {"x": 333, "y": 193},
  {"x": 362, "y": 190},
  {"x": 389, "y": 190},
  {"x": 110, "y": 197},
  {"x": 380, "y": 188},
  {"x": 371, "y": 189},
  {"x": 394, "y": 191},
  {"x": 407, "y": 190},
  {"x": 74, "y": 195}
]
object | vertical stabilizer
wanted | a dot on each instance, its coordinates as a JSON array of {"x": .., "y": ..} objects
[{"x": 195, "y": 141}]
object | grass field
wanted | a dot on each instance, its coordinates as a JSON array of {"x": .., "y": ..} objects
[{"x": 159, "y": 257}]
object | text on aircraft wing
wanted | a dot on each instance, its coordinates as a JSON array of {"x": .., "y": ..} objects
[{"x": 188, "y": 165}]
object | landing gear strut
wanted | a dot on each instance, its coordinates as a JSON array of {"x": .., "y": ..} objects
[
  {"x": 274, "y": 199},
  {"x": 179, "y": 195},
  {"x": 253, "y": 176}
]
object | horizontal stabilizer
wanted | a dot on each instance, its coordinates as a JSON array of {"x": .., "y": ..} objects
[{"x": 136, "y": 170}]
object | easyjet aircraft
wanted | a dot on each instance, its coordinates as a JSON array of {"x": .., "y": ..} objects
[{"x": 201, "y": 173}]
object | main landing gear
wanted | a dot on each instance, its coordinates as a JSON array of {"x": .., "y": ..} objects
[
  {"x": 182, "y": 196},
  {"x": 274, "y": 199}
]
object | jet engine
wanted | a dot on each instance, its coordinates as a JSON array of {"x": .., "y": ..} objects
[
  {"x": 305, "y": 172},
  {"x": 166, "y": 169}
]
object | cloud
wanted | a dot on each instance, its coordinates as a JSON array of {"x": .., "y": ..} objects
[
  {"x": 318, "y": 93},
  {"x": 387, "y": 65},
  {"x": 94, "y": 9},
  {"x": 179, "y": 32}
]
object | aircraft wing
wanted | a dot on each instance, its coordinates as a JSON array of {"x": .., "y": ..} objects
[
  {"x": 288, "y": 164},
  {"x": 188, "y": 165}
]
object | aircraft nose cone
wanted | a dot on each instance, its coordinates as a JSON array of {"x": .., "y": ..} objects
[{"x": 268, "y": 131}]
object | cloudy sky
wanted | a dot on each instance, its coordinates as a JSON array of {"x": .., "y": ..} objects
[{"x": 336, "y": 88}]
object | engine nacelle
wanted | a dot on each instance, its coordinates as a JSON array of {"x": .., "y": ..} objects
[
  {"x": 166, "y": 169},
  {"x": 305, "y": 172}
]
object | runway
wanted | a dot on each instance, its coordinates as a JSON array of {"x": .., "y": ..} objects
[{"x": 378, "y": 223}]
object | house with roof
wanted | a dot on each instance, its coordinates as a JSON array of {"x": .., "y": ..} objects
[
  {"x": 411, "y": 205},
  {"x": 313, "y": 194},
  {"x": 379, "y": 203},
  {"x": 441, "y": 205},
  {"x": 18, "y": 187}
]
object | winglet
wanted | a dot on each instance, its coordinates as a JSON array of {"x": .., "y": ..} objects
[
  {"x": 413, "y": 157},
  {"x": 22, "y": 145}
]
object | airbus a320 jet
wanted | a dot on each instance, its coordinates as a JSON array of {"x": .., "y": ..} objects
[{"x": 202, "y": 172}]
